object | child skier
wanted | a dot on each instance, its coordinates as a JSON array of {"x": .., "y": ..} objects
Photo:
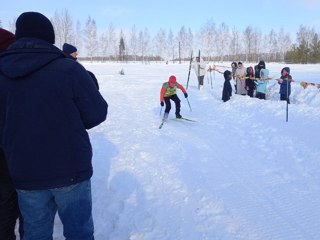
[
  {"x": 227, "y": 89},
  {"x": 169, "y": 92}
]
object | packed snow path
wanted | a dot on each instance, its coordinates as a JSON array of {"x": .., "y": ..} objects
[{"x": 240, "y": 172}]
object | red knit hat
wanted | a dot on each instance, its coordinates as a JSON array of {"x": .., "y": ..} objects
[
  {"x": 6, "y": 39},
  {"x": 172, "y": 79}
]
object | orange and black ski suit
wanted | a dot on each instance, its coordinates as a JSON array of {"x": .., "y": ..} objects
[{"x": 168, "y": 93}]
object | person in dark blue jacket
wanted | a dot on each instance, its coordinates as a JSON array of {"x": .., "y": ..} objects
[
  {"x": 285, "y": 84},
  {"x": 48, "y": 102},
  {"x": 227, "y": 89},
  {"x": 72, "y": 52}
]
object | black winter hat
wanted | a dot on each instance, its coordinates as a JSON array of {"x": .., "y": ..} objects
[
  {"x": 68, "y": 48},
  {"x": 34, "y": 25}
]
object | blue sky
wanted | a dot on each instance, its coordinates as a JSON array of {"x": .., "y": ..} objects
[{"x": 165, "y": 14}]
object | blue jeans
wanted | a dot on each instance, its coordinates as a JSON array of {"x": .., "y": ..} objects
[{"x": 74, "y": 206}]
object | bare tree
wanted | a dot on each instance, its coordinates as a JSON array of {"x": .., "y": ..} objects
[
  {"x": 91, "y": 37},
  {"x": 78, "y": 37},
  {"x": 143, "y": 43},
  {"x": 235, "y": 43},
  {"x": 257, "y": 38},
  {"x": 160, "y": 43},
  {"x": 182, "y": 39},
  {"x": 171, "y": 46},
  {"x": 63, "y": 26},
  {"x": 12, "y": 25},
  {"x": 207, "y": 38},
  {"x": 103, "y": 45},
  {"x": 190, "y": 42},
  {"x": 248, "y": 40},
  {"x": 284, "y": 43},
  {"x": 112, "y": 41},
  {"x": 222, "y": 38},
  {"x": 133, "y": 42}
]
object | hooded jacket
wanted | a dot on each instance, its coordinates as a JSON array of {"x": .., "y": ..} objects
[
  {"x": 227, "y": 89},
  {"x": 261, "y": 65},
  {"x": 47, "y": 102},
  {"x": 285, "y": 85},
  {"x": 262, "y": 84}
]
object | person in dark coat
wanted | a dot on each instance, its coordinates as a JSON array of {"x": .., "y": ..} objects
[
  {"x": 250, "y": 81},
  {"x": 257, "y": 68},
  {"x": 227, "y": 89},
  {"x": 47, "y": 104},
  {"x": 9, "y": 209},
  {"x": 285, "y": 84},
  {"x": 72, "y": 52}
]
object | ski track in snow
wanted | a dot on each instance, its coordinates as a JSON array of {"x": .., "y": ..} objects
[{"x": 237, "y": 173}]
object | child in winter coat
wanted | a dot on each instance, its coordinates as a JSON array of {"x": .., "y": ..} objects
[
  {"x": 262, "y": 83},
  {"x": 250, "y": 81},
  {"x": 285, "y": 84},
  {"x": 227, "y": 89},
  {"x": 169, "y": 92}
]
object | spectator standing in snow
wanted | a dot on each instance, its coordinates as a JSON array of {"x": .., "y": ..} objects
[
  {"x": 9, "y": 209},
  {"x": 250, "y": 81},
  {"x": 241, "y": 81},
  {"x": 257, "y": 68},
  {"x": 234, "y": 67},
  {"x": 169, "y": 92},
  {"x": 72, "y": 52},
  {"x": 227, "y": 89},
  {"x": 262, "y": 84},
  {"x": 200, "y": 71},
  {"x": 50, "y": 101},
  {"x": 285, "y": 84}
]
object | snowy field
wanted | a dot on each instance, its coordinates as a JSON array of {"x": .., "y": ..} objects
[{"x": 240, "y": 172}]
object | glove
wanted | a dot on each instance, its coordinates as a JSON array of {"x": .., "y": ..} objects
[
  {"x": 162, "y": 104},
  {"x": 186, "y": 95}
]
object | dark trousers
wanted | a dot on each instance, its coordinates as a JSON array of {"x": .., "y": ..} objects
[
  {"x": 176, "y": 100},
  {"x": 283, "y": 97},
  {"x": 250, "y": 92},
  {"x": 261, "y": 95},
  {"x": 200, "y": 80},
  {"x": 9, "y": 212}
]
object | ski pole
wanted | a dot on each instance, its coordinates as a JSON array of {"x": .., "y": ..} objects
[
  {"x": 189, "y": 105},
  {"x": 161, "y": 110}
]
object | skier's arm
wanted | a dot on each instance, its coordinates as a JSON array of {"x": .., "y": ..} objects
[
  {"x": 162, "y": 92},
  {"x": 182, "y": 88}
]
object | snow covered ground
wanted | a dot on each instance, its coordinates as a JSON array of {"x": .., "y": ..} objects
[{"x": 240, "y": 172}]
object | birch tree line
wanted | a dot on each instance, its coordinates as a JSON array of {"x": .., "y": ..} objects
[{"x": 217, "y": 42}]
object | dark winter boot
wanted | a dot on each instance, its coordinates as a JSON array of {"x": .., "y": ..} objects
[{"x": 178, "y": 115}]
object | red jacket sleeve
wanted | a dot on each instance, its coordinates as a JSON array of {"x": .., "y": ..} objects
[
  {"x": 182, "y": 88},
  {"x": 162, "y": 92}
]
